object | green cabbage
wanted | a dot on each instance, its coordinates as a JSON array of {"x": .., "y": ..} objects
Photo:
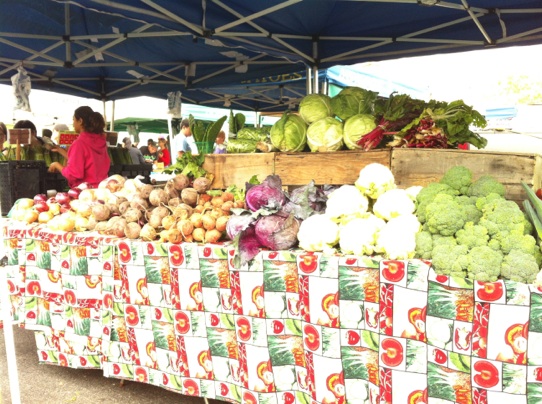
[
  {"x": 241, "y": 146},
  {"x": 353, "y": 100},
  {"x": 256, "y": 134},
  {"x": 355, "y": 128},
  {"x": 325, "y": 135},
  {"x": 289, "y": 133},
  {"x": 314, "y": 107}
]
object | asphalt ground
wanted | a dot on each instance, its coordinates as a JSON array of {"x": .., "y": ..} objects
[{"x": 51, "y": 384}]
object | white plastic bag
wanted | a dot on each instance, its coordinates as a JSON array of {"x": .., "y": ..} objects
[
  {"x": 174, "y": 104},
  {"x": 21, "y": 89}
]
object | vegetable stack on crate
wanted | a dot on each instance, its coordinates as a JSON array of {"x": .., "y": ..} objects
[{"x": 20, "y": 179}]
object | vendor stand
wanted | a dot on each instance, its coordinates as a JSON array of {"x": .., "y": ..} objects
[{"x": 289, "y": 327}]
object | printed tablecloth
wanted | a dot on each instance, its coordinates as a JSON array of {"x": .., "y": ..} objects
[{"x": 290, "y": 327}]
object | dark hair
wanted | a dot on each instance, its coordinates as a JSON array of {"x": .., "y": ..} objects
[
  {"x": 3, "y": 135},
  {"x": 150, "y": 141},
  {"x": 185, "y": 123},
  {"x": 46, "y": 133},
  {"x": 3, "y": 129},
  {"x": 25, "y": 125},
  {"x": 93, "y": 122}
]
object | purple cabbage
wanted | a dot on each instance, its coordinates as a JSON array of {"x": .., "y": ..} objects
[
  {"x": 238, "y": 223},
  {"x": 267, "y": 195},
  {"x": 277, "y": 232},
  {"x": 305, "y": 201}
]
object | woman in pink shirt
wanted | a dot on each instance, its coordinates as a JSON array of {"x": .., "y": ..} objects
[{"x": 87, "y": 158}]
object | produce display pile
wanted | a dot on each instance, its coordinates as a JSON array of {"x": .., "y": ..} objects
[
  {"x": 465, "y": 226},
  {"x": 357, "y": 118}
]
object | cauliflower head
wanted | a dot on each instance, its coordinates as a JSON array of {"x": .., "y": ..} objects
[
  {"x": 375, "y": 179},
  {"x": 396, "y": 240},
  {"x": 318, "y": 233},
  {"x": 393, "y": 203},
  {"x": 346, "y": 201},
  {"x": 358, "y": 236}
]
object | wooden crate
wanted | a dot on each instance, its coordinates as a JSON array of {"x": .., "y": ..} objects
[
  {"x": 422, "y": 166},
  {"x": 333, "y": 168},
  {"x": 237, "y": 169}
]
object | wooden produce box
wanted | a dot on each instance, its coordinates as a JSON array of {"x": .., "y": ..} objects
[
  {"x": 333, "y": 168},
  {"x": 422, "y": 166},
  {"x": 237, "y": 169}
]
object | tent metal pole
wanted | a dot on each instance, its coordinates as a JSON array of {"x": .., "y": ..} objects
[
  {"x": 309, "y": 81},
  {"x": 315, "y": 80}
]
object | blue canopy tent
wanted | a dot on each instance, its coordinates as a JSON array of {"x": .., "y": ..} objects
[{"x": 119, "y": 49}]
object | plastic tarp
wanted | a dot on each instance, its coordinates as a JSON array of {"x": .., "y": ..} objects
[{"x": 125, "y": 48}]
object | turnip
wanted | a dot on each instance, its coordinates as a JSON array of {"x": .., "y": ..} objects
[
  {"x": 158, "y": 197},
  {"x": 132, "y": 230},
  {"x": 139, "y": 203},
  {"x": 101, "y": 227},
  {"x": 208, "y": 222},
  {"x": 170, "y": 190},
  {"x": 227, "y": 196},
  {"x": 180, "y": 182},
  {"x": 168, "y": 222},
  {"x": 155, "y": 221},
  {"x": 132, "y": 215},
  {"x": 217, "y": 201},
  {"x": 204, "y": 198},
  {"x": 87, "y": 195},
  {"x": 201, "y": 184},
  {"x": 145, "y": 190},
  {"x": 174, "y": 236},
  {"x": 148, "y": 233},
  {"x": 185, "y": 226},
  {"x": 161, "y": 211},
  {"x": 196, "y": 219},
  {"x": 91, "y": 223},
  {"x": 221, "y": 223},
  {"x": 113, "y": 209},
  {"x": 226, "y": 206},
  {"x": 100, "y": 212},
  {"x": 183, "y": 211},
  {"x": 189, "y": 196},
  {"x": 212, "y": 236},
  {"x": 216, "y": 213},
  {"x": 174, "y": 202},
  {"x": 118, "y": 228},
  {"x": 123, "y": 207},
  {"x": 198, "y": 234}
]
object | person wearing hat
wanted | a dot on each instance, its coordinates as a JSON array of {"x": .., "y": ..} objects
[
  {"x": 150, "y": 152},
  {"x": 184, "y": 141},
  {"x": 135, "y": 153},
  {"x": 59, "y": 128}
]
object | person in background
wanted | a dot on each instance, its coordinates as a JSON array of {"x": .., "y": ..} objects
[
  {"x": 3, "y": 138},
  {"x": 135, "y": 153},
  {"x": 150, "y": 152},
  {"x": 163, "y": 153},
  {"x": 184, "y": 141},
  {"x": 25, "y": 124},
  {"x": 87, "y": 157},
  {"x": 220, "y": 147},
  {"x": 59, "y": 127},
  {"x": 46, "y": 135}
]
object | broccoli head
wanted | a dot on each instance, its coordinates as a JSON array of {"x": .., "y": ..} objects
[
  {"x": 424, "y": 245},
  {"x": 484, "y": 264},
  {"x": 502, "y": 215},
  {"x": 450, "y": 260},
  {"x": 470, "y": 211},
  {"x": 459, "y": 178},
  {"x": 486, "y": 185},
  {"x": 517, "y": 241},
  {"x": 444, "y": 215},
  {"x": 427, "y": 194},
  {"x": 481, "y": 201},
  {"x": 472, "y": 235},
  {"x": 519, "y": 266}
]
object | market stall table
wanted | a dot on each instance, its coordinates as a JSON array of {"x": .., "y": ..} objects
[{"x": 289, "y": 327}]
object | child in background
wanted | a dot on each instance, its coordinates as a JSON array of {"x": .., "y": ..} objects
[{"x": 220, "y": 147}]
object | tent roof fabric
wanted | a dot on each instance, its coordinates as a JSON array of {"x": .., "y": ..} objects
[{"x": 115, "y": 49}]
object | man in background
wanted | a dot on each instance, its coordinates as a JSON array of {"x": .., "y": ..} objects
[
  {"x": 184, "y": 141},
  {"x": 150, "y": 152}
]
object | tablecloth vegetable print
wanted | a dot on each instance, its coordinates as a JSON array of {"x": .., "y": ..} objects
[{"x": 290, "y": 327}]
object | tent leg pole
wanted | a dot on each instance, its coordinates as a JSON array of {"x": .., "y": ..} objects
[
  {"x": 5, "y": 308},
  {"x": 315, "y": 88},
  {"x": 112, "y": 126},
  {"x": 308, "y": 81}
]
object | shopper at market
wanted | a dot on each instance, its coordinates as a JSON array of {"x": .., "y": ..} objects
[
  {"x": 25, "y": 124},
  {"x": 163, "y": 153},
  {"x": 220, "y": 147},
  {"x": 135, "y": 153},
  {"x": 88, "y": 160},
  {"x": 150, "y": 152},
  {"x": 184, "y": 142},
  {"x": 3, "y": 136}
]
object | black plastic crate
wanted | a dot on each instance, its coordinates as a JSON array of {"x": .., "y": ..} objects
[
  {"x": 133, "y": 170},
  {"x": 115, "y": 169},
  {"x": 20, "y": 179},
  {"x": 56, "y": 181}
]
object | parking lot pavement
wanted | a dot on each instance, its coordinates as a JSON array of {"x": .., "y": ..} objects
[{"x": 50, "y": 384}]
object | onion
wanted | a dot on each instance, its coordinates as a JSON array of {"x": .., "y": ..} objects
[
  {"x": 81, "y": 223},
  {"x": 91, "y": 223},
  {"x": 62, "y": 198},
  {"x": 66, "y": 221},
  {"x": 148, "y": 233},
  {"x": 87, "y": 195},
  {"x": 29, "y": 216},
  {"x": 40, "y": 198},
  {"x": 101, "y": 227},
  {"x": 54, "y": 207},
  {"x": 74, "y": 193},
  {"x": 132, "y": 230},
  {"x": 113, "y": 209},
  {"x": 102, "y": 194},
  {"x": 41, "y": 206}
]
